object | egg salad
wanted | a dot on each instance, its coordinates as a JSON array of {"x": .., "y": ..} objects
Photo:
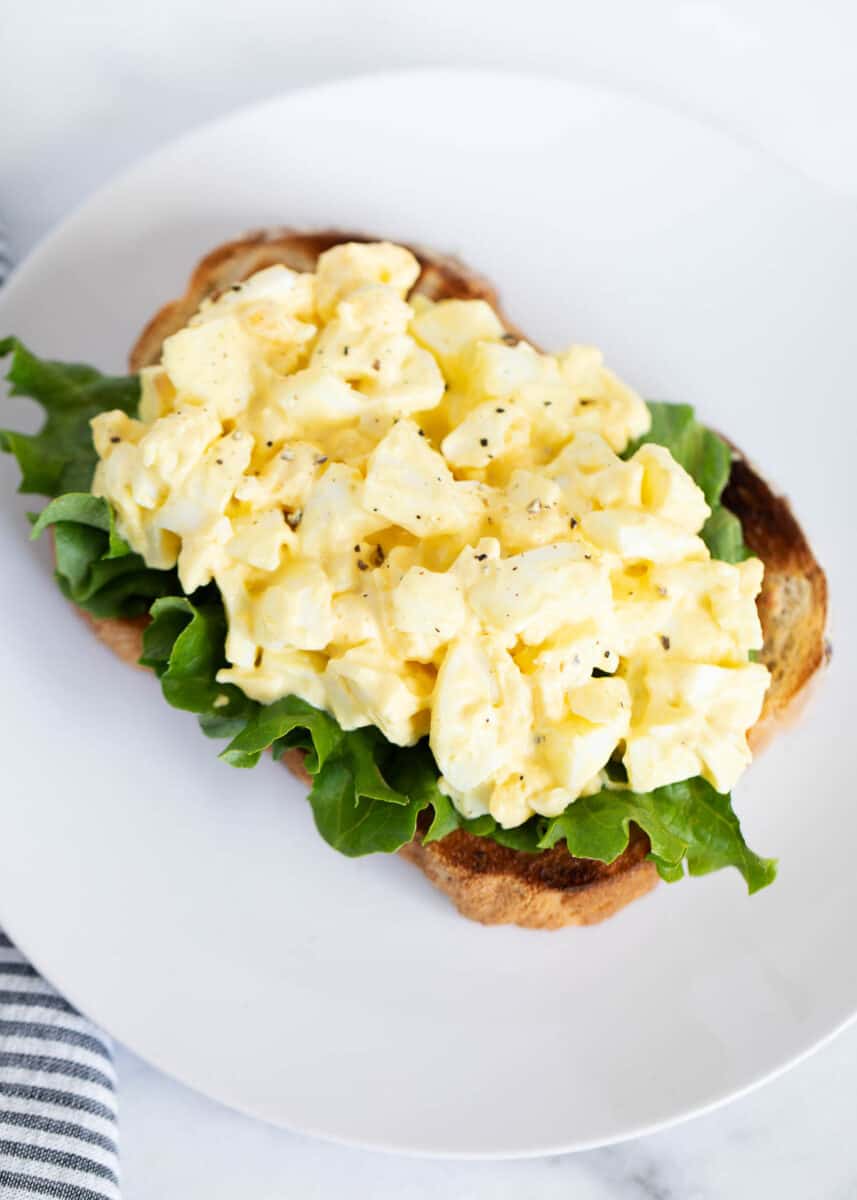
[{"x": 421, "y": 523}]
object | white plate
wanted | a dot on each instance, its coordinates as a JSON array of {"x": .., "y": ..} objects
[{"x": 192, "y": 909}]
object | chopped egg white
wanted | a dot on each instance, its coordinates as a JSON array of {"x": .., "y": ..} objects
[{"x": 421, "y": 523}]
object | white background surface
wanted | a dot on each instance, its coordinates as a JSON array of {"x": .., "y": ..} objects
[{"x": 83, "y": 95}]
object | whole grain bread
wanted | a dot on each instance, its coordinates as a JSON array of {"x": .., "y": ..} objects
[{"x": 486, "y": 881}]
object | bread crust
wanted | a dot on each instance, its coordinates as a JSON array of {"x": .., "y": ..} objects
[
  {"x": 793, "y": 601},
  {"x": 442, "y": 277},
  {"x": 488, "y": 882},
  {"x": 497, "y": 886}
]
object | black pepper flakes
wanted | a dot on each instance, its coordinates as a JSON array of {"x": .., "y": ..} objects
[
  {"x": 361, "y": 565},
  {"x": 481, "y": 557},
  {"x": 573, "y": 522},
  {"x": 665, "y": 641},
  {"x": 219, "y": 462},
  {"x": 115, "y": 439},
  {"x": 483, "y": 441},
  {"x": 499, "y": 410}
]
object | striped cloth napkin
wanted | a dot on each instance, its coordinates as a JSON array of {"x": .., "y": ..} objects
[{"x": 58, "y": 1128}]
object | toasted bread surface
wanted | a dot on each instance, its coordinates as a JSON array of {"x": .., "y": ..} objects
[
  {"x": 486, "y": 881},
  {"x": 793, "y": 601},
  {"x": 497, "y": 886},
  {"x": 124, "y": 636}
]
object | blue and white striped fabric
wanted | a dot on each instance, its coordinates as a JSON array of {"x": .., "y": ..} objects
[{"x": 58, "y": 1128}]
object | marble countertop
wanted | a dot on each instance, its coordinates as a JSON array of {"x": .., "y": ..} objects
[
  {"x": 114, "y": 81},
  {"x": 790, "y": 1140}
]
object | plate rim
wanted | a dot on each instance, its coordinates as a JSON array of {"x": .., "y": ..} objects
[{"x": 397, "y": 75}]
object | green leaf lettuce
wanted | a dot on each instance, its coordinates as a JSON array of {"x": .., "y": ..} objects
[
  {"x": 95, "y": 568},
  {"x": 61, "y": 457}
]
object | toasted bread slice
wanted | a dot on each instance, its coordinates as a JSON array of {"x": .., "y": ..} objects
[{"x": 486, "y": 881}]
